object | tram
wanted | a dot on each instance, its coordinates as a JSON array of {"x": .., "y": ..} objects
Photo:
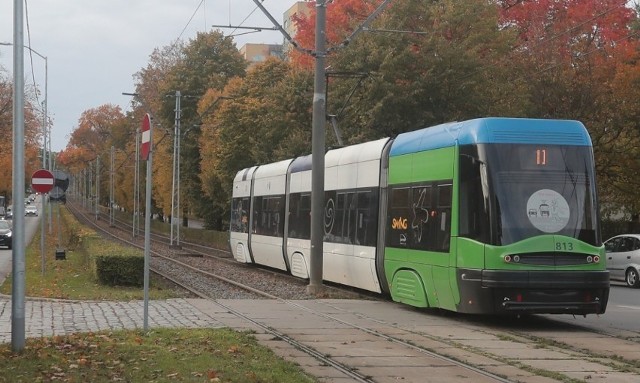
[{"x": 486, "y": 216}]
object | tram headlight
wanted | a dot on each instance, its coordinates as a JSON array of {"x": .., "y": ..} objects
[
  {"x": 516, "y": 258},
  {"x": 589, "y": 259},
  {"x": 507, "y": 258}
]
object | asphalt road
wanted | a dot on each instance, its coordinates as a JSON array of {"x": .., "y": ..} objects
[
  {"x": 623, "y": 311},
  {"x": 30, "y": 227}
]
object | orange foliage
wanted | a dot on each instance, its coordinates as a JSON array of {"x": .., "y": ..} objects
[
  {"x": 32, "y": 134},
  {"x": 343, "y": 17},
  {"x": 92, "y": 137},
  {"x": 573, "y": 29}
]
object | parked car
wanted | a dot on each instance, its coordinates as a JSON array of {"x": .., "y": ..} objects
[
  {"x": 8, "y": 214},
  {"x": 31, "y": 210},
  {"x": 5, "y": 234},
  {"x": 623, "y": 258}
]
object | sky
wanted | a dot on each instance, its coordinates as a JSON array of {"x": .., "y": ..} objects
[{"x": 94, "y": 47}]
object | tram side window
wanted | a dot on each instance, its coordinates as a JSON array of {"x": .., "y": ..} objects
[
  {"x": 421, "y": 218},
  {"x": 239, "y": 215},
  {"x": 339, "y": 218},
  {"x": 268, "y": 216},
  {"x": 300, "y": 216},
  {"x": 351, "y": 217}
]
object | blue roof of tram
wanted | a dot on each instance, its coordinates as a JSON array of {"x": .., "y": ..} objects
[{"x": 492, "y": 130}]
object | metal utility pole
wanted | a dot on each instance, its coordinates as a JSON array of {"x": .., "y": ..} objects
[
  {"x": 175, "y": 185},
  {"x": 97, "y": 187},
  {"x": 136, "y": 187},
  {"x": 111, "y": 213},
  {"x": 18, "y": 253}
]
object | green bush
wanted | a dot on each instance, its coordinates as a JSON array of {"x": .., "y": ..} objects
[{"x": 120, "y": 270}]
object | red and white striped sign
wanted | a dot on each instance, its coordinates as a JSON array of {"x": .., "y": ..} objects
[
  {"x": 145, "y": 146},
  {"x": 42, "y": 181}
]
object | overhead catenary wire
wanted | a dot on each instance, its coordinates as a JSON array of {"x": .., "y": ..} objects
[
  {"x": 33, "y": 76},
  {"x": 190, "y": 19}
]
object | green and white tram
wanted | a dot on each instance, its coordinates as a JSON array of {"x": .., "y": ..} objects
[{"x": 493, "y": 215}]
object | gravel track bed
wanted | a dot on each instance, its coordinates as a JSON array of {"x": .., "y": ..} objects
[
  {"x": 219, "y": 263},
  {"x": 208, "y": 286}
]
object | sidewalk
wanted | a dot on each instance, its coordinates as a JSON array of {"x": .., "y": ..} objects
[
  {"x": 349, "y": 332},
  {"x": 47, "y": 317}
]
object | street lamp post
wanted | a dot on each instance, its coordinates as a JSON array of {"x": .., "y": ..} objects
[
  {"x": 18, "y": 256},
  {"x": 18, "y": 317}
]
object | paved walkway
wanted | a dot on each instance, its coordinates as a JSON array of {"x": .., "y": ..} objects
[
  {"x": 348, "y": 331},
  {"x": 61, "y": 317}
]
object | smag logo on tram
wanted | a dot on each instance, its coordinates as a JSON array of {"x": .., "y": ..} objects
[{"x": 399, "y": 223}]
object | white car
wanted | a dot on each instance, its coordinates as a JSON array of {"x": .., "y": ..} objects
[
  {"x": 623, "y": 258},
  {"x": 30, "y": 210}
]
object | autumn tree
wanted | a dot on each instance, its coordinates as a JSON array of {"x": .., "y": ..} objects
[
  {"x": 33, "y": 118},
  {"x": 206, "y": 62},
  {"x": 6, "y": 126},
  {"x": 419, "y": 63},
  {"x": 98, "y": 130},
  {"x": 261, "y": 118},
  {"x": 342, "y": 17}
]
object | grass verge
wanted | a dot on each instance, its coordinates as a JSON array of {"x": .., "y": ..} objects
[
  {"x": 162, "y": 355},
  {"x": 74, "y": 277}
]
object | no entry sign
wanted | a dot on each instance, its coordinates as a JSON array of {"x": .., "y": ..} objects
[
  {"x": 145, "y": 146},
  {"x": 42, "y": 181}
]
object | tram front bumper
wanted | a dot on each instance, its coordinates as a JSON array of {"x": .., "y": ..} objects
[{"x": 533, "y": 292}]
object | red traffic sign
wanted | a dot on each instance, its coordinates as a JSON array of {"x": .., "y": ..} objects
[
  {"x": 42, "y": 181},
  {"x": 145, "y": 145}
]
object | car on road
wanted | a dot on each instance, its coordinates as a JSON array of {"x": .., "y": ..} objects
[
  {"x": 5, "y": 234},
  {"x": 31, "y": 210},
  {"x": 623, "y": 258}
]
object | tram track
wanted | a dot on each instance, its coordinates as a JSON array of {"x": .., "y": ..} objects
[{"x": 403, "y": 337}]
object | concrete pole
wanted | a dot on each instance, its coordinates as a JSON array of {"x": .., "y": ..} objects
[{"x": 317, "y": 154}]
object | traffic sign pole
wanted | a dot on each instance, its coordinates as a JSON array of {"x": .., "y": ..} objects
[
  {"x": 147, "y": 154},
  {"x": 42, "y": 181}
]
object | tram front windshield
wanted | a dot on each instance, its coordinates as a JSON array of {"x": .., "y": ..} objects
[{"x": 511, "y": 192}]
